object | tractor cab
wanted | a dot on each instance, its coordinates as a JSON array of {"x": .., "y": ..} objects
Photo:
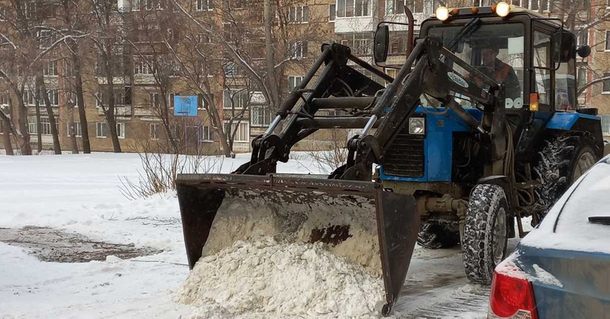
[{"x": 520, "y": 48}]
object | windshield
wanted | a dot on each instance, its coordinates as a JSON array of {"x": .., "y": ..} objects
[{"x": 496, "y": 50}]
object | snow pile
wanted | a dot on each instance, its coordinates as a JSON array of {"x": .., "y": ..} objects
[{"x": 250, "y": 280}]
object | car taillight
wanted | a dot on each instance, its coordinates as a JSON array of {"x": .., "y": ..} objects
[{"x": 512, "y": 295}]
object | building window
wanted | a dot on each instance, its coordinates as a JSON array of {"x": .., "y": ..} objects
[
  {"x": 353, "y": 8},
  {"x": 583, "y": 36},
  {"x": 46, "y": 38},
  {"x": 29, "y": 98},
  {"x": 205, "y": 134},
  {"x": 362, "y": 46},
  {"x": 332, "y": 12},
  {"x": 392, "y": 7},
  {"x": 202, "y": 104},
  {"x": 53, "y": 97},
  {"x": 607, "y": 40},
  {"x": 76, "y": 129},
  {"x": 172, "y": 96},
  {"x": 202, "y": 38},
  {"x": 234, "y": 99},
  {"x": 203, "y": 5},
  {"x": 45, "y": 125},
  {"x": 154, "y": 131},
  {"x": 397, "y": 45},
  {"x": 32, "y": 127},
  {"x": 230, "y": 69},
  {"x": 3, "y": 99},
  {"x": 242, "y": 134},
  {"x": 298, "y": 50},
  {"x": 261, "y": 116},
  {"x": 120, "y": 97},
  {"x": 135, "y": 5},
  {"x": 294, "y": 81},
  {"x": 2, "y": 18},
  {"x": 392, "y": 72},
  {"x": 120, "y": 130},
  {"x": 149, "y": 4},
  {"x": 100, "y": 131},
  {"x": 361, "y": 43},
  {"x": 29, "y": 9},
  {"x": 605, "y": 124},
  {"x": 50, "y": 68},
  {"x": 606, "y": 84},
  {"x": 298, "y": 14},
  {"x": 67, "y": 69},
  {"x": 142, "y": 66},
  {"x": 582, "y": 77},
  {"x": 155, "y": 99},
  {"x": 486, "y": 3}
]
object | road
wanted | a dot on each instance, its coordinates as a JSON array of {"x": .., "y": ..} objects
[{"x": 437, "y": 287}]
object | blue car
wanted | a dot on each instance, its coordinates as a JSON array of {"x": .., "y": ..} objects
[{"x": 562, "y": 268}]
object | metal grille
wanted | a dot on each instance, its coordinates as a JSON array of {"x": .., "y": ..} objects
[{"x": 406, "y": 156}]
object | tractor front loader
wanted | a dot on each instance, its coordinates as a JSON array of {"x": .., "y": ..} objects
[{"x": 468, "y": 159}]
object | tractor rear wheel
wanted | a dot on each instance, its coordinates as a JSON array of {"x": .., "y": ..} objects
[
  {"x": 436, "y": 236},
  {"x": 485, "y": 232},
  {"x": 562, "y": 161}
]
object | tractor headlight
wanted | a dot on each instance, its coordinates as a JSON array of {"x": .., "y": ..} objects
[
  {"x": 502, "y": 9},
  {"x": 442, "y": 13},
  {"x": 417, "y": 125}
]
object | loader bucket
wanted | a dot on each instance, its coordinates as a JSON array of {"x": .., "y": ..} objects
[{"x": 358, "y": 220}]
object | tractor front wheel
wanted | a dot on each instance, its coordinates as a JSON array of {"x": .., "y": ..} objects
[{"x": 485, "y": 232}]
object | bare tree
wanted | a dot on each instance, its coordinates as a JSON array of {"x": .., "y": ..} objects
[
  {"x": 47, "y": 102},
  {"x": 108, "y": 40},
  {"x": 7, "y": 127},
  {"x": 75, "y": 22},
  {"x": 152, "y": 33},
  {"x": 198, "y": 63}
]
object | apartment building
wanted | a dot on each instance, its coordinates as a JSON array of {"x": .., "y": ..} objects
[{"x": 154, "y": 48}]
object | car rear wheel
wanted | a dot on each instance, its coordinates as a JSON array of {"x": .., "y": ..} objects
[{"x": 485, "y": 232}]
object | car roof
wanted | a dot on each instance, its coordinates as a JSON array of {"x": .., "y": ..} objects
[{"x": 567, "y": 225}]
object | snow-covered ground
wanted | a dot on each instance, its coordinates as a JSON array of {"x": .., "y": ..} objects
[{"x": 81, "y": 194}]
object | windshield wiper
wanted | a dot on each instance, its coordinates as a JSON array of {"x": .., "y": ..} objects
[
  {"x": 465, "y": 31},
  {"x": 604, "y": 220}
]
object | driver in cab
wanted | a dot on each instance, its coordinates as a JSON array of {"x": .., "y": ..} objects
[{"x": 499, "y": 71}]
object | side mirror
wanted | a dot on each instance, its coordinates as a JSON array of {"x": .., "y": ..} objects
[
  {"x": 583, "y": 51},
  {"x": 382, "y": 41},
  {"x": 564, "y": 46}
]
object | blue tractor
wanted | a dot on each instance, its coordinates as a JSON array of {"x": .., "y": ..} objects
[{"x": 479, "y": 128}]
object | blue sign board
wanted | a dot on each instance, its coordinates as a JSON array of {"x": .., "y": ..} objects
[{"x": 185, "y": 105}]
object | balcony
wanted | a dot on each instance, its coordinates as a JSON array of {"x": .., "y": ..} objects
[
  {"x": 143, "y": 111},
  {"x": 119, "y": 110},
  {"x": 144, "y": 79},
  {"x": 117, "y": 80},
  {"x": 355, "y": 24}
]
